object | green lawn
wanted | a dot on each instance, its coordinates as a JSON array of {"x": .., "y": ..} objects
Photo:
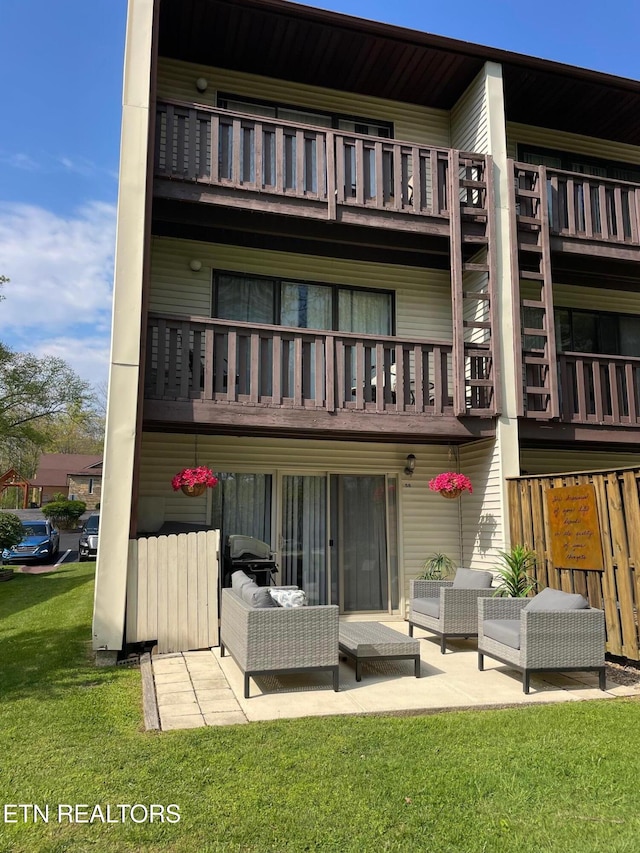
[{"x": 555, "y": 778}]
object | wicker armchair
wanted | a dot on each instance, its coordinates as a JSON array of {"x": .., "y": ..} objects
[
  {"x": 446, "y": 609},
  {"x": 540, "y": 640},
  {"x": 275, "y": 639}
]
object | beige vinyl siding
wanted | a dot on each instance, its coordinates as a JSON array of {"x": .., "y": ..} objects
[
  {"x": 482, "y": 524},
  {"x": 428, "y": 523},
  {"x": 558, "y": 140},
  {"x": 588, "y": 298},
  {"x": 423, "y": 296},
  {"x": 469, "y": 119},
  {"x": 553, "y": 461},
  {"x": 412, "y": 123}
]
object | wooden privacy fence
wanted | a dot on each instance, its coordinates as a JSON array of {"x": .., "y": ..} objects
[
  {"x": 612, "y": 580},
  {"x": 172, "y": 591}
]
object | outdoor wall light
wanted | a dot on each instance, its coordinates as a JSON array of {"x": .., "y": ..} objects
[
  {"x": 410, "y": 467},
  {"x": 196, "y": 266},
  {"x": 201, "y": 84}
]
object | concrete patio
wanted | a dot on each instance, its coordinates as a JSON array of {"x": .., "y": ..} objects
[{"x": 201, "y": 689}]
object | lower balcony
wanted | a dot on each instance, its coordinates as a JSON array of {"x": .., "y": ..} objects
[
  {"x": 234, "y": 375},
  {"x": 598, "y": 390}
]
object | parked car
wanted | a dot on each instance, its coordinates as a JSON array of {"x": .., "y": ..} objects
[
  {"x": 41, "y": 541},
  {"x": 88, "y": 545}
]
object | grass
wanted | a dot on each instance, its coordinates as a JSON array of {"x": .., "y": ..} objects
[{"x": 550, "y": 778}]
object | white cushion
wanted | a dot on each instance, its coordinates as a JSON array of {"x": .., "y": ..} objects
[{"x": 288, "y": 597}]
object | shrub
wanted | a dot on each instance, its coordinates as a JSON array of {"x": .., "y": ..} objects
[
  {"x": 515, "y": 572},
  {"x": 437, "y": 567},
  {"x": 11, "y": 530},
  {"x": 64, "y": 513}
]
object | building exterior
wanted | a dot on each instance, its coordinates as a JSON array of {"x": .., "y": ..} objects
[
  {"x": 341, "y": 243},
  {"x": 78, "y": 476}
]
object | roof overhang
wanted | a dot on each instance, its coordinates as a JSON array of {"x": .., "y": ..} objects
[{"x": 277, "y": 38}]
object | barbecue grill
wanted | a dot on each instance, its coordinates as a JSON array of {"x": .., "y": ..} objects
[{"x": 251, "y": 556}]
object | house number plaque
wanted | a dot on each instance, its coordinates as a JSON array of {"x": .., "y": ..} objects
[{"x": 574, "y": 528}]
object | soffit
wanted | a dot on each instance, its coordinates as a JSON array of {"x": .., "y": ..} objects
[{"x": 306, "y": 45}]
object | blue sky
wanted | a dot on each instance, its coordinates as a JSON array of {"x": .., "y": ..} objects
[{"x": 59, "y": 139}]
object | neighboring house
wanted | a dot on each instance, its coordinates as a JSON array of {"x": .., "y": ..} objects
[
  {"x": 76, "y": 475},
  {"x": 341, "y": 243}
]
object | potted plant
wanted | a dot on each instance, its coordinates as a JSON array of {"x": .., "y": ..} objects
[
  {"x": 194, "y": 481},
  {"x": 11, "y": 532},
  {"x": 515, "y": 572},
  {"x": 437, "y": 567},
  {"x": 450, "y": 484}
]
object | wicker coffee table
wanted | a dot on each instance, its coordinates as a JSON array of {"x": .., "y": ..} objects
[{"x": 364, "y": 641}]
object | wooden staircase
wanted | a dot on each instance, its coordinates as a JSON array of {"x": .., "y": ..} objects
[
  {"x": 531, "y": 264},
  {"x": 473, "y": 276}
]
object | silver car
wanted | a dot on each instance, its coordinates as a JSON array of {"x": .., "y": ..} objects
[{"x": 88, "y": 545}]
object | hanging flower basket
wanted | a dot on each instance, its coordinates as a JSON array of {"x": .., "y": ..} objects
[
  {"x": 450, "y": 484},
  {"x": 451, "y": 494},
  {"x": 194, "y": 491},
  {"x": 194, "y": 481}
]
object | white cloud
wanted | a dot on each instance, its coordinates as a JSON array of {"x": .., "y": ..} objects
[
  {"x": 80, "y": 166},
  {"x": 89, "y": 357},
  {"x": 20, "y": 161},
  {"x": 61, "y": 272}
]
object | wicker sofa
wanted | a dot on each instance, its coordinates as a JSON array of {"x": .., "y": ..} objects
[
  {"x": 273, "y": 639},
  {"x": 559, "y": 633}
]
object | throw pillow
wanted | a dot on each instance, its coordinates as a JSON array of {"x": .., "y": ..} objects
[
  {"x": 288, "y": 597},
  {"x": 556, "y": 599},
  {"x": 256, "y": 596},
  {"x": 238, "y": 580},
  {"x": 472, "y": 579}
]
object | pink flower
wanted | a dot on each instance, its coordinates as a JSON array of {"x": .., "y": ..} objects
[
  {"x": 193, "y": 477},
  {"x": 450, "y": 481}
]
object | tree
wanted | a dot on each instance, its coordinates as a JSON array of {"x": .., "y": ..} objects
[
  {"x": 80, "y": 429},
  {"x": 33, "y": 393},
  {"x": 11, "y": 530}
]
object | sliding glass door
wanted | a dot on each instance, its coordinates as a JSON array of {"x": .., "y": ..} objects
[
  {"x": 303, "y": 541},
  {"x": 363, "y": 544},
  {"x": 339, "y": 540}
]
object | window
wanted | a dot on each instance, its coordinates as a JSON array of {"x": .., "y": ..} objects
[
  {"x": 303, "y": 115},
  {"x": 90, "y": 485},
  {"x": 597, "y": 332},
  {"x": 609, "y": 219},
  {"x": 308, "y": 159},
  {"x": 583, "y": 164},
  {"x": 302, "y": 305}
]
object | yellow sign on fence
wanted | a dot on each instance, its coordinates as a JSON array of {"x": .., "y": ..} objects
[{"x": 575, "y": 531}]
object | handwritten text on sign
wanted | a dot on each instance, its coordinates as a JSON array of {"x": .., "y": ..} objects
[{"x": 575, "y": 532}]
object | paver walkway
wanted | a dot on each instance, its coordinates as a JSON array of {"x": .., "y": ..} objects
[
  {"x": 192, "y": 691},
  {"x": 201, "y": 689}
]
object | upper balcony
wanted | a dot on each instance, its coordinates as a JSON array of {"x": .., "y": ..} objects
[
  {"x": 261, "y": 164},
  {"x": 583, "y": 214}
]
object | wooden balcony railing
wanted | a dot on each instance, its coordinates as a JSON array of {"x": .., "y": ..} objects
[
  {"x": 334, "y": 167},
  {"x": 580, "y": 206},
  {"x": 594, "y": 389},
  {"x": 193, "y": 358}
]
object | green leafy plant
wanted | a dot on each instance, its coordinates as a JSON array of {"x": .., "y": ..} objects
[
  {"x": 64, "y": 514},
  {"x": 515, "y": 572},
  {"x": 436, "y": 567},
  {"x": 11, "y": 530}
]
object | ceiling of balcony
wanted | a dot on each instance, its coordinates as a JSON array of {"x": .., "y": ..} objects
[{"x": 288, "y": 41}]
